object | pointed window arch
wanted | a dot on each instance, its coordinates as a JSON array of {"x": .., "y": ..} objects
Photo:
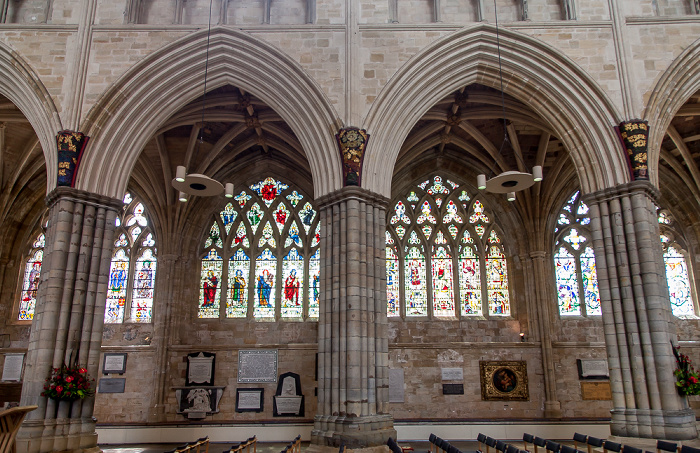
[
  {"x": 678, "y": 268},
  {"x": 262, "y": 255},
  {"x": 444, "y": 256},
  {"x": 132, "y": 271},
  {"x": 574, "y": 261},
  {"x": 31, "y": 279}
]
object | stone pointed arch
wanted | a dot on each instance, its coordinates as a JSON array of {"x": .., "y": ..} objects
[
  {"x": 21, "y": 85},
  {"x": 533, "y": 72},
  {"x": 130, "y": 112},
  {"x": 676, "y": 85}
]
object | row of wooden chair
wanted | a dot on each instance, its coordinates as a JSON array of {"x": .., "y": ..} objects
[
  {"x": 200, "y": 445},
  {"x": 293, "y": 446},
  {"x": 441, "y": 445},
  {"x": 489, "y": 443},
  {"x": 607, "y": 446},
  {"x": 246, "y": 445}
]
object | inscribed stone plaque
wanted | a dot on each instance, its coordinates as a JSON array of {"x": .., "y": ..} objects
[
  {"x": 114, "y": 363},
  {"x": 592, "y": 368},
  {"x": 249, "y": 400},
  {"x": 12, "y": 369},
  {"x": 453, "y": 389},
  {"x": 257, "y": 365},
  {"x": 200, "y": 369},
  {"x": 596, "y": 391},
  {"x": 288, "y": 405},
  {"x": 111, "y": 385},
  {"x": 452, "y": 374},
  {"x": 396, "y": 386}
]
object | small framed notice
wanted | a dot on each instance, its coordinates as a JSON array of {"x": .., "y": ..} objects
[
  {"x": 114, "y": 363},
  {"x": 592, "y": 369},
  {"x": 249, "y": 400},
  {"x": 12, "y": 368},
  {"x": 596, "y": 391},
  {"x": 111, "y": 385}
]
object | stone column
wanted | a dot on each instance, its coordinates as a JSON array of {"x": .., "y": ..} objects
[
  {"x": 69, "y": 317},
  {"x": 543, "y": 322},
  {"x": 637, "y": 314},
  {"x": 353, "y": 347}
]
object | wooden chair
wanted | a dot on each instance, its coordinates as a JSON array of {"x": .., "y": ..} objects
[
  {"x": 593, "y": 442},
  {"x": 10, "y": 421},
  {"x": 663, "y": 446},
  {"x": 579, "y": 439},
  {"x": 481, "y": 438},
  {"x": 528, "y": 439},
  {"x": 687, "y": 449},
  {"x": 539, "y": 442}
]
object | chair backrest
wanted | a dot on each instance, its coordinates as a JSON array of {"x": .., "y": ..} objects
[
  {"x": 631, "y": 449},
  {"x": 481, "y": 438},
  {"x": 594, "y": 441},
  {"x": 666, "y": 446},
  {"x": 432, "y": 438},
  {"x": 687, "y": 449},
  {"x": 490, "y": 441},
  {"x": 578, "y": 437},
  {"x": 452, "y": 449},
  {"x": 512, "y": 449},
  {"x": 529, "y": 438},
  {"x": 500, "y": 445},
  {"x": 612, "y": 446},
  {"x": 540, "y": 442},
  {"x": 552, "y": 446},
  {"x": 567, "y": 449}
]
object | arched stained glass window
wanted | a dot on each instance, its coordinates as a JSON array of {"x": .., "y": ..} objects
[
  {"x": 262, "y": 253},
  {"x": 132, "y": 272},
  {"x": 678, "y": 273},
  {"x": 574, "y": 261},
  {"x": 443, "y": 256},
  {"x": 30, "y": 282}
]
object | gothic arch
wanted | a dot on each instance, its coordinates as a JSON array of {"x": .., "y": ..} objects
[
  {"x": 21, "y": 85},
  {"x": 560, "y": 91},
  {"x": 130, "y": 112},
  {"x": 680, "y": 81}
]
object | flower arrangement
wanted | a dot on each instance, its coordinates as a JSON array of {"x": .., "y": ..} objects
[
  {"x": 687, "y": 379},
  {"x": 68, "y": 384}
]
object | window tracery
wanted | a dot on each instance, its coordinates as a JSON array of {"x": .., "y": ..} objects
[
  {"x": 132, "y": 270},
  {"x": 261, "y": 256},
  {"x": 31, "y": 279},
  {"x": 678, "y": 271},
  {"x": 444, "y": 256}
]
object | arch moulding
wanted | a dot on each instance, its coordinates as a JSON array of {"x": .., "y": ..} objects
[
  {"x": 21, "y": 85},
  {"x": 540, "y": 76},
  {"x": 131, "y": 111},
  {"x": 677, "y": 84}
]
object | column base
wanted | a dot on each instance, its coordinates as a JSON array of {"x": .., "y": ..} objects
[
  {"x": 552, "y": 409},
  {"x": 65, "y": 435},
  {"x": 354, "y": 432},
  {"x": 672, "y": 425}
]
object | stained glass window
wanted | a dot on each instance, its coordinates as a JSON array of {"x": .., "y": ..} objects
[
  {"x": 266, "y": 259},
  {"x": 30, "y": 283},
  {"x": 132, "y": 272},
  {"x": 437, "y": 261},
  {"x": 678, "y": 268},
  {"x": 574, "y": 261}
]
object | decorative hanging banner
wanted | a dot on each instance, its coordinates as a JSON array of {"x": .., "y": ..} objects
[
  {"x": 352, "y": 142},
  {"x": 70, "y": 149},
  {"x": 634, "y": 135}
]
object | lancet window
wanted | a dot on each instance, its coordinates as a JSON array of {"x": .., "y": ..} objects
[
  {"x": 574, "y": 261},
  {"x": 30, "y": 280},
  {"x": 261, "y": 256},
  {"x": 132, "y": 271},
  {"x": 444, "y": 255},
  {"x": 680, "y": 287}
]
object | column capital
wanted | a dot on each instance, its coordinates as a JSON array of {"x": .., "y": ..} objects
[
  {"x": 352, "y": 192},
  {"x": 538, "y": 255},
  {"x": 623, "y": 190},
  {"x": 81, "y": 196}
]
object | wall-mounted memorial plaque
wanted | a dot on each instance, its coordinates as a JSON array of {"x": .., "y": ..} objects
[
  {"x": 596, "y": 391},
  {"x": 593, "y": 369},
  {"x": 288, "y": 400},
  {"x": 200, "y": 369},
  {"x": 453, "y": 389},
  {"x": 12, "y": 368},
  {"x": 114, "y": 363},
  {"x": 198, "y": 402},
  {"x": 396, "y": 384},
  {"x": 452, "y": 374},
  {"x": 249, "y": 400},
  {"x": 257, "y": 365},
  {"x": 111, "y": 385}
]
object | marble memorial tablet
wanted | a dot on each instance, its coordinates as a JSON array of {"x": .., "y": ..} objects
[
  {"x": 200, "y": 369},
  {"x": 114, "y": 363},
  {"x": 257, "y": 365},
  {"x": 288, "y": 405},
  {"x": 593, "y": 369},
  {"x": 12, "y": 369},
  {"x": 452, "y": 374},
  {"x": 396, "y": 386},
  {"x": 249, "y": 400},
  {"x": 111, "y": 385}
]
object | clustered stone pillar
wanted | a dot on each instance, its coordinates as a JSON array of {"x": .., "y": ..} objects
[
  {"x": 353, "y": 350},
  {"x": 637, "y": 314},
  {"x": 69, "y": 317}
]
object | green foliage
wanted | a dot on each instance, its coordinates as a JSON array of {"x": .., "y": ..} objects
[
  {"x": 687, "y": 379},
  {"x": 68, "y": 384}
]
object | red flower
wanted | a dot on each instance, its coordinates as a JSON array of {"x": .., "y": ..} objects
[
  {"x": 693, "y": 379},
  {"x": 69, "y": 379},
  {"x": 59, "y": 388},
  {"x": 82, "y": 370}
]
